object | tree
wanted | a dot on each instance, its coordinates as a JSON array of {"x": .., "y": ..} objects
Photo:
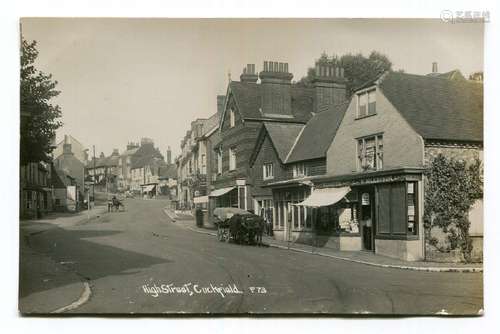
[
  {"x": 452, "y": 187},
  {"x": 39, "y": 118},
  {"x": 358, "y": 69}
]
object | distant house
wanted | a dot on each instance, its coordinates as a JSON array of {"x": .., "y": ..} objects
[
  {"x": 69, "y": 159},
  {"x": 104, "y": 171},
  {"x": 35, "y": 192},
  {"x": 124, "y": 166},
  {"x": 65, "y": 191},
  {"x": 167, "y": 181},
  {"x": 145, "y": 164}
]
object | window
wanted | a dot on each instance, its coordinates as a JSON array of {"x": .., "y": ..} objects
[
  {"x": 232, "y": 158},
  {"x": 370, "y": 153},
  {"x": 203, "y": 164},
  {"x": 411, "y": 193},
  {"x": 397, "y": 209},
  {"x": 219, "y": 161},
  {"x": 268, "y": 171},
  {"x": 231, "y": 118},
  {"x": 367, "y": 103},
  {"x": 300, "y": 170}
]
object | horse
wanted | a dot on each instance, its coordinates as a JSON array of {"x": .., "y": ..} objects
[{"x": 116, "y": 204}]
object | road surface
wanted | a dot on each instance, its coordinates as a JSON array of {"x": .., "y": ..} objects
[{"x": 139, "y": 261}]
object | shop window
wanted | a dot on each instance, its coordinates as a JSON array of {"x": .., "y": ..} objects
[
  {"x": 397, "y": 209},
  {"x": 412, "y": 207},
  {"x": 370, "y": 153}
]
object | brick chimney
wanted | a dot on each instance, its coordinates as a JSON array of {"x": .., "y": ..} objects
[
  {"x": 248, "y": 75},
  {"x": 115, "y": 152},
  {"x": 434, "y": 67},
  {"x": 276, "y": 85},
  {"x": 329, "y": 86}
]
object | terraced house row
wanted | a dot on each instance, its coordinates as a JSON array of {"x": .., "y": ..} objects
[{"x": 338, "y": 170}]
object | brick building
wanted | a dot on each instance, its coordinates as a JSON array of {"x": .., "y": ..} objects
[{"x": 249, "y": 104}]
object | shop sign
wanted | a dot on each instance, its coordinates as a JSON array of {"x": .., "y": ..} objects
[{"x": 365, "y": 199}]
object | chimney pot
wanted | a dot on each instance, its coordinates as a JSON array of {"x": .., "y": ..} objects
[
  {"x": 266, "y": 68},
  {"x": 286, "y": 67},
  {"x": 276, "y": 66}
]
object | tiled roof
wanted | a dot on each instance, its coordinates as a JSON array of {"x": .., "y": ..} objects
[
  {"x": 437, "y": 108},
  {"x": 318, "y": 133},
  {"x": 57, "y": 178},
  {"x": 451, "y": 75},
  {"x": 210, "y": 123},
  {"x": 248, "y": 99},
  {"x": 283, "y": 136},
  {"x": 149, "y": 160}
]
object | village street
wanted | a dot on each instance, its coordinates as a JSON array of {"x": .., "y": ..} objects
[{"x": 125, "y": 256}]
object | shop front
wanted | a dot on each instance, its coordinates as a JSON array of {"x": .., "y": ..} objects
[{"x": 385, "y": 210}]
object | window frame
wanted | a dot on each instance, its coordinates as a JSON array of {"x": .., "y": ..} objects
[
  {"x": 219, "y": 161},
  {"x": 378, "y": 155},
  {"x": 295, "y": 170},
  {"x": 265, "y": 173},
  {"x": 232, "y": 158},
  {"x": 232, "y": 119},
  {"x": 370, "y": 91}
]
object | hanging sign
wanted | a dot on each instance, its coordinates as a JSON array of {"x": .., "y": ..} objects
[{"x": 365, "y": 199}]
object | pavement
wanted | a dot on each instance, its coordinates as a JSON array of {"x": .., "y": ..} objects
[
  {"x": 142, "y": 262},
  {"x": 367, "y": 258},
  {"x": 46, "y": 285}
]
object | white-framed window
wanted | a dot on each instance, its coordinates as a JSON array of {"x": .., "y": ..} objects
[
  {"x": 299, "y": 170},
  {"x": 367, "y": 103},
  {"x": 232, "y": 158},
  {"x": 203, "y": 164},
  {"x": 231, "y": 117},
  {"x": 219, "y": 161},
  {"x": 268, "y": 171},
  {"x": 370, "y": 153}
]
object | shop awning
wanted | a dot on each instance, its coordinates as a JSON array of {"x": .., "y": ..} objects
[
  {"x": 325, "y": 196},
  {"x": 148, "y": 188},
  {"x": 200, "y": 199},
  {"x": 221, "y": 191}
]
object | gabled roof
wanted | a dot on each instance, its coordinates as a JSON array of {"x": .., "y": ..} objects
[
  {"x": 248, "y": 97},
  {"x": 210, "y": 124},
  {"x": 318, "y": 134},
  {"x": 437, "y": 108},
  {"x": 58, "y": 179},
  {"x": 283, "y": 135}
]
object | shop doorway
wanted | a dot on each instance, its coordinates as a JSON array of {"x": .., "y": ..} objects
[{"x": 367, "y": 218}]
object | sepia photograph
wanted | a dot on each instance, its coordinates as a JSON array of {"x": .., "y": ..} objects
[{"x": 251, "y": 166}]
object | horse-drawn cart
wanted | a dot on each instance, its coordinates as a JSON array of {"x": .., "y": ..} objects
[{"x": 238, "y": 225}]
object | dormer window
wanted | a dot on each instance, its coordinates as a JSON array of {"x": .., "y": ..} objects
[
  {"x": 367, "y": 103},
  {"x": 231, "y": 118}
]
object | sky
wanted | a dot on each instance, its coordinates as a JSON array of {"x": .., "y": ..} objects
[{"x": 123, "y": 79}]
